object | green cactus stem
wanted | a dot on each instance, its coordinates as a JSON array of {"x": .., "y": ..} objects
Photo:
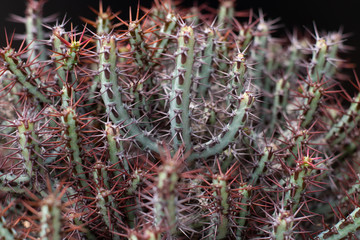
[
  {"x": 100, "y": 174},
  {"x": 266, "y": 157},
  {"x": 240, "y": 116},
  {"x": 133, "y": 203},
  {"x": 6, "y": 232},
  {"x": 297, "y": 182},
  {"x": 219, "y": 219},
  {"x": 34, "y": 30},
  {"x": 245, "y": 193},
  {"x": 281, "y": 97},
  {"x": 165, "y": 209},
  {"x": 206, "y": 58},
  {"x": 69, "y": 119},
  {"x": 283, "y": 224},
  {"x": 314, "y": 95},
  {"x": 29, "y": 145},
  {"x": 23, "y": 74},
  {"x": 343, "y": 228},
  {"x": 237, "y": 77},
  {"x": 166, "y": 30},
  {"x": 299, "y": 138},
  {"x": 226, "y": 13},
  {"x": 116, "y": 149},
  {"x": 318, "y": 59},
  {"x": 50, "y": 218},
  {"x": 58, "y": 48},
  {"x": 112, "y": 94},
  {"x": 106, "y": 205},
  {"x": 11, "y": 182},
  {"x": 346, "y": 124},
  {"x": 180, "y": 92}
]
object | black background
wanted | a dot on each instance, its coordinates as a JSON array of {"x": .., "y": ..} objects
[{"x": 328, "y": 15}]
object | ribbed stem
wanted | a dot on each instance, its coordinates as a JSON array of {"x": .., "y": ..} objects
[
  {"x": 267, "y": 157},
  {"x": 6, "y": 232},
  {"x": 206, "y": 60},
  {"x": 343, "y": 228},
  {"x": 111, "y": 94},
  {"x": 116, "y": 149},
  {"x": 34, "y": 30},
  {"x": 283, "y": 223},
  {"x": 10, "y": 182},
  {"x": 50, "y": 228},
  {"x": 216, "y": 145},
  {"x": 57, "y": 57},
  {"x": 180, "y": 93},
  {"x": 165, "y": 209},
  {"x": 106, "y": 205},
  {"x": 220, "y": 221},
  {"x": 69, "y": 119},
  {"x": 346, "y": 124},
  {"x": 23, "y": 74},
  {"x": 297, "y": 183}
]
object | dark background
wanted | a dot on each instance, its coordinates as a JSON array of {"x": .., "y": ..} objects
[{"x": 328, "y": 15}]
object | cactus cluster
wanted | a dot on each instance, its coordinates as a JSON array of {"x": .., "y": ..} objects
[{"x": 176, "y": 124}]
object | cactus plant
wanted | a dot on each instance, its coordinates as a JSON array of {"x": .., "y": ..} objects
[{"x": 176, "y": 124}]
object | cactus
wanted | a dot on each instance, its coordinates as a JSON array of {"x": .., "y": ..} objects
[{"x": 176, "y": 124}]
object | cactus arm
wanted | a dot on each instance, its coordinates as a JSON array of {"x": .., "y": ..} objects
[
  {"x": 29, "y": 145},
  {"x": 34, "y": 30},
  {"x": 284, "y": 222},
  {"x": 103, "y": 26},
  {"x": 133, "y": 202},
  {"x": 311, "y": 105},
  {"x": 318, "y": 59},
  {"x": 105, "y": 204},
  {"x": 69, "y": 119},
  {"x": 100, "y": 174},
  {"x": 345, "y": 124},
  {"x": 215, "y": 146},
  {"x": 330, "y": 68},
  {"x": 297, "y": 182},
  {"x": 205, "y": 69},
  {"x": 226, "y": 13},
  {"x": 24, "y": 128},
  {"x": 237, "y": 77},
  {"x": 343, "y": 228},
  {"x": 266, "y": 157},
  {"x": 180, "y": 92},
  {"x": 6, "y": 232},
  {"x": 316, "y": 72},
  {"x": 222, "y": 51},
  {"x": 57, "y": 48},
  {"x": 241, "y": 220},
  {"x": 138, "y": 45},
  {"x": 220, "y": 218},
  {"x": 298, "y": 143},
  {"x": 14, "y": 65},
  {"x": 10, "y": 182},
  {"x": 116, "y": 149},
  {"x": 165, "y": 30},
  {"x": 280, "y": 101},
  {"x": 111, "y": 94},
  {"x": 166, "y": 210},
  {"x": 50, "y": 219}
]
